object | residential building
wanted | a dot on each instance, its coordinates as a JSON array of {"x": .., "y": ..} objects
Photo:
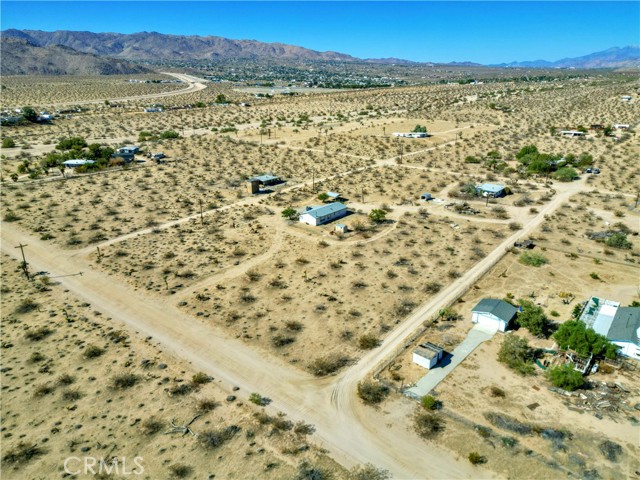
[
  {"x": 491, "y": 190},
  {"x": 493, "y": 314},
  {"x": 320, "y": 215}
]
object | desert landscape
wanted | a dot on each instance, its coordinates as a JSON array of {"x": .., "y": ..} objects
[{"x": 175, "y": 307}]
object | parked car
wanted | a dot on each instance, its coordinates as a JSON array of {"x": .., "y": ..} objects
[
  {"x": 588, "y": 170},
  {"x": 596, "y": 171}
]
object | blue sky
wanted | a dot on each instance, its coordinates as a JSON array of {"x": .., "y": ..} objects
[{"x": 483, "y": 32}]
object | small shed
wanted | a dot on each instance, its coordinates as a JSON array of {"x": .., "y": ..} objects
[
  {"x": 266, "y": 179},
  {"x": 341, "y": 228},
  {"x": 333, "y": 196},
  {"x": 253, "y": 186},
  {"x": 132, "y": 149},
  {"x": 493, "y": 314},
  {"x": 426, "y": 197},
  {"x": 427, "y": 355}
]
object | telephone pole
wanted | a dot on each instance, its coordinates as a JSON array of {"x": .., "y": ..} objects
[{"x": 24, "y": 261}]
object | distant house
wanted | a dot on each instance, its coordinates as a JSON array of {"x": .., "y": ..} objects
[
  {"x": 426, "y": 197},
  {"x": 572, "y": 133},
  {"x": 493, "y": 314},
  {"x": 491, "y": 190},
  {"x": 621, "y": 126},
  {"x": 320, "y": 215},
  {"x": 265, "y": 179},
  {"x": 626, "y": 98},
  {"x": 621, "y": 325},
  {"x": 597, "y": 126},
  {"x": 427, "y": 355},
  {"x": 132, "y": 149},
  {"x": 77, "y": 163},
  {"x": 152, "y": 109},
  {"x": 411, "y": 134}
]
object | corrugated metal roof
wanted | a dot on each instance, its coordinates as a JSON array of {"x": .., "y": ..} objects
[
  {"x": 264, "y": 178},
  {"x": 323, "y": 211},
  {"x": 626, "y": 325},
  {"x": 501, "y": 309},
  {"x": 333, "y": 194}
]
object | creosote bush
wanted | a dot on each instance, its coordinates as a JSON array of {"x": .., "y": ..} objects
[
  {"x": 372, "y": 393},
  {"x": 124, "y": 380},
  {"x": 327, "y": 365}
]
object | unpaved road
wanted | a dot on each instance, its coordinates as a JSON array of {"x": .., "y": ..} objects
[{"x": 352, "y": 433}]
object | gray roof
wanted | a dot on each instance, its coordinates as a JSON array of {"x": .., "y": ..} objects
[
  {"x": 333, "y": 194},
  {"x": 323, "y": 211},
  {"x": 428, "y": 350},
  {"x": 501, "y": 309},
  {"x": 264, "y": 178},
  {"x": 626, "y": 325}
]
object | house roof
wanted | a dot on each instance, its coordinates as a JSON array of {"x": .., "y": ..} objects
[
  {"x": 77, "y": 162},
  {"x": 501, "y": 309},
  {"x": 491, "y": 187},
  {"x": 263, "y": 178},
  {"x": 333, "y": 194},
  {"x": 626, "y": 325},
  {"x": 323, "y": 211}
]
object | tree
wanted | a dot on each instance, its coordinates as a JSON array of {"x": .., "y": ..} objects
[
  {"x": 169, "y": 134},
  {"x": 526, "y": 150},
  {"x": 516, "y": 354},
  {"x": 289, "y": 213},
  {"x": 575, "y": 335},
  {"x": 377, "y": 215},
  {"x": 71, "y": 143},
  {"x": 618, "y": 240},
  {"x": 29, "y": 114},
  {"x": 429, "y": 402},
  {"x": 323, "y": 197},
  {"x": 220, "y": 98},
  {"x": 419, "y": 129},
  {"x": 566, "y": 174},
  {"x": 565, "y": 377},
  {"x": 533, "y": 319},
  {"x": 8, "y": 142}
]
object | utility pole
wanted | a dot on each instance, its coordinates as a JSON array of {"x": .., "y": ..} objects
[
  {"x": 362, "y": 193},
  {"x": 201, "y": 217},
  {"x": 24, "y": 261},
  {"x": 313, "y": 180},
  {"x": 637, "y": 199}
]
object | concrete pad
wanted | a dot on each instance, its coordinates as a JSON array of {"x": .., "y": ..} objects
[{"x": 477, "y": 335}]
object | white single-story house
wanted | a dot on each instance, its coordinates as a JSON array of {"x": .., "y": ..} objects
[
  {"x": 491, "y": 190},
  {"x": 427, "y": 355},
  {"x": 152, "y": 109},
  {"x": 341, "y": 228},
  {"x": 493, "y": 314},
  {"x": 572, "y": 133},
  {"x": 621, "y": 325},
  {"x": 77, "y": 163},
  {"x": 626, "y": 98},
  {"x": 319, "y": 215},
  {"x": 411, "y": 134},
  {"x": 621, "y": 126},
  {"x": 131, "y": 149},
  {"x": 426, "y": 197}
]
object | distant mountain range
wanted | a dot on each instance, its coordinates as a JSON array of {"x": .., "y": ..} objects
[
  {"x": 19, "y": 57},
  {"x": 616, "y": 57},
  {"x": 155, "y": 46}
]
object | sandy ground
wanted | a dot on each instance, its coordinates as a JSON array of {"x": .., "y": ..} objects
[{"x": 146, "y": 222}]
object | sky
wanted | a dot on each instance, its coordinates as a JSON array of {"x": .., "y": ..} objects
[{"x": 483, "y": 32}]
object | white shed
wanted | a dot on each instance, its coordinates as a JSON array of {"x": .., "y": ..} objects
[
  {"x": 493, "y": 314},
  {"x": 427, "y": 355}
]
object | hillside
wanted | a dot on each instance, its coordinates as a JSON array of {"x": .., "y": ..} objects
[
  {"x": 154, "y": 46},
  {"x": 616, "y": 57},
  {"x": 19, "y": 57}
]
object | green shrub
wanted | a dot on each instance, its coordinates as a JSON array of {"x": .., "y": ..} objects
[
  {"x": 368, "y": 341},
  {"x": 258, "y": 399},
  {"x": 533, "y": 259},
  {"x": 618, "y": 240},
  {"x": 516, "y": 354},
  {"x": 8, "y": 142},
  {"x": 92, "y": 351},
  {"x": 565, "y": 377},
  {"x": 200, "y": 378},
  {"x": 429, "y": 402},
  {"x": 476, "y": 459}
]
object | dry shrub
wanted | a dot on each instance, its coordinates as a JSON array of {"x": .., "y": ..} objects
[{"x": 328, "y": 364}]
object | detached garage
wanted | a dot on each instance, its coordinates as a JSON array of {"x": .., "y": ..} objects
[{"x": 493, "y": 314}]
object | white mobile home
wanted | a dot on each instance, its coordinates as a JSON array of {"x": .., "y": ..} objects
[{"x": 320, "y": 215}]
